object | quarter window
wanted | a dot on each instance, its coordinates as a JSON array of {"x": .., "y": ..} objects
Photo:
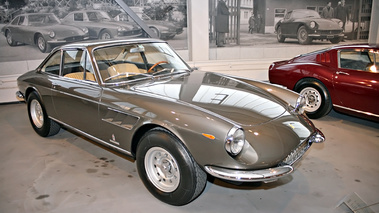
[{"x": 358, "y": 60}]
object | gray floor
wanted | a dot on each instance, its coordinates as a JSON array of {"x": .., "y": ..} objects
[{"x": 66, "y": 173}]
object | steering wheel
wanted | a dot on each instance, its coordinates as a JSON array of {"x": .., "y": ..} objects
[{"x": 156, "y": 64}]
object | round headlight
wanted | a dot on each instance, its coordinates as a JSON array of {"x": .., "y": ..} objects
[
  {"x": 52, "y": 34},
  {"x": 85, "y": 30},
  {"x": 312, "y": 24},
  {"x": 120, "y": 29},
  {"x": 235, "y": 141}
]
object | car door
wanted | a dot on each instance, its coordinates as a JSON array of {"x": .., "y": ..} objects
[
  {"x": 76, "y": 93},
  {"x": 356, "y": 82}
]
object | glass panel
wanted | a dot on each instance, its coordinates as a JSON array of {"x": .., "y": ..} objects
[
  {"x": 52, "y": 65},
  {"x": 355, "y": 60}
]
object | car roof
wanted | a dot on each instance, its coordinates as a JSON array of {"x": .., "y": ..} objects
[
  {"x": 93, "y": 44},
  {"x": 350, "y": 46}
]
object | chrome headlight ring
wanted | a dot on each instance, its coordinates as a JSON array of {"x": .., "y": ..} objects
[
  {"x": 300, "y": 104},
  {"x": 312, "y": 25},
  {"x": 52, "y": 34},
  {"x": 235, "y": 141}
]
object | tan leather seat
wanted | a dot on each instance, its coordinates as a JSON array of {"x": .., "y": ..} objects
[
  {"x": 124, "y": 68},
  {"x": 79, "y": 76}
]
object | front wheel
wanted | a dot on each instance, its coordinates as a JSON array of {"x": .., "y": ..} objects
[
  {"x": 39, "y": 120},
  {"x": 279, "y": 35},
  {"x": 336, "y": 40},
  {"x": 104, "y": 35},
  {"x": 318, "y": 102},
  {"x": 302, "y": 36},
  {"x": 42, "y": 45},
  {"x": 10, "y": 39},
  {"x": 167, "y": 169}
]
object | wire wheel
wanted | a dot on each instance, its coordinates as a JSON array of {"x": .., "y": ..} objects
[{"x": 162, "y": 169}]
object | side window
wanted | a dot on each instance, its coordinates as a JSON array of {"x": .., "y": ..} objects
[
  {"x": 77, "y": 66},
  {"x": 355, "y": 60},
  {"x": 15, "y": 21},
  {"x": 52, "y": 65},
  {"x": 78, "y": 17}
]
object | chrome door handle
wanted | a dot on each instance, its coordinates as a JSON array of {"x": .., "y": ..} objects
[{"x": 342, "y": 73}]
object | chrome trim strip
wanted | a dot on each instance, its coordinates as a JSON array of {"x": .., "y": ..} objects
[
  {"x": 358, "y": 111},
  {"x": 265, "y": 175},
  {"x": 94, "y": 138}
]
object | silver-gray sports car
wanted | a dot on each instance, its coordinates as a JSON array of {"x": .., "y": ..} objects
[
  {"x": 140, "y": 98},
  {"x": 43, "y": 30}
]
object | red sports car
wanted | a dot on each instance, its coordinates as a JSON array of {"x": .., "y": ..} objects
[{"x": 344, "y": 77}]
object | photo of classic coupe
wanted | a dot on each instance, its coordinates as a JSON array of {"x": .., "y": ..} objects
[
  {"x": 140, "y": 98},
  {"x": 43, "y": 30},
  {"x": 101, "y": 26},
  {"x": 306, "y": 26},
  {"x": 344, "y": 77},
  {"x": 163, "y": 29}
]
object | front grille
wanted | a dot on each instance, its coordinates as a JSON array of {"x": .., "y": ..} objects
[
  {"x": 296, "y": 154},
  {"x": 329, "y": 32},
  {"x": 132, "y": 32},
  {"x": 74, "y": 38}
]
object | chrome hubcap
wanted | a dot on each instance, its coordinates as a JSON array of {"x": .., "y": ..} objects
[
  {"x": 313, "y": 99},
  {"x": 36, "y": 113},
  {"x": 41, "y": 43},
  {"x": 162, "y": 169}
]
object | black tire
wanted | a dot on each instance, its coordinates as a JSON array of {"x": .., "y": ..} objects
[
  {"x": 318, "y": 102},
  {"x": 335, "y": 40},
  {"x": 41, "y": 43},
  {"x": 104, "y": 35},
  {"x": 156, "y": 31},
  {"x": 39, "y": 120},
  {"x": 302, "y": 36},
  {"x": 9, "y": 38},
  {"x": 167, "y": 169},
  {"x": 279, "y": 35}
]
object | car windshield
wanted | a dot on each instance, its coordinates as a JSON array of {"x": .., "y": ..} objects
[
  {"x": 41, "y": 19},
  {"x": 137, "y": 61},
  {"x": 305, "y": 14}
]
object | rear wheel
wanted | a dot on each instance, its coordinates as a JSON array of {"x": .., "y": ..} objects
[
  {"x": 302, "y": 36},
  {"x": 39, "y": 120},
  {"x": 318, "y": 102},
  {"x": 167, "y": 169}
]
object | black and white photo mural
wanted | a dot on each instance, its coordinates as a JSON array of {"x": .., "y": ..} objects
[
  {"x": 31, "y": 28},
  {"x": 271, "y": 22}
]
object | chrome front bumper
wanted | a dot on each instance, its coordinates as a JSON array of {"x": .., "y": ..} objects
[
  {"x": 265, "y": 175},
  {"x": 270, "y": 174}
]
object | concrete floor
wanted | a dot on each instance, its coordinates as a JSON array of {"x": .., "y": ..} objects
[{"x": 66, "y": 173}]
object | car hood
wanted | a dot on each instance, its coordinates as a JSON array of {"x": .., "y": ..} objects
[
  {"x": 324, "y": 24},
  {"x": 229, "y": 98}
]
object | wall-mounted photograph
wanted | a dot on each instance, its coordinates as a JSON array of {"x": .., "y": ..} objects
[
  {"x": 298, "y": 22},
  {"x": 32, "y": 28}
]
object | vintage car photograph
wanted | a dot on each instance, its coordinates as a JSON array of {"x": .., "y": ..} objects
[
  {"x": 163, "y": 29},
  {"x": 43, "y": 30},
  {"x": 306, "y": 26},
  {"x": 101, "y": 26},
  {"x": 180, "y": 125},
  {"x": 344, "y": 77}
]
